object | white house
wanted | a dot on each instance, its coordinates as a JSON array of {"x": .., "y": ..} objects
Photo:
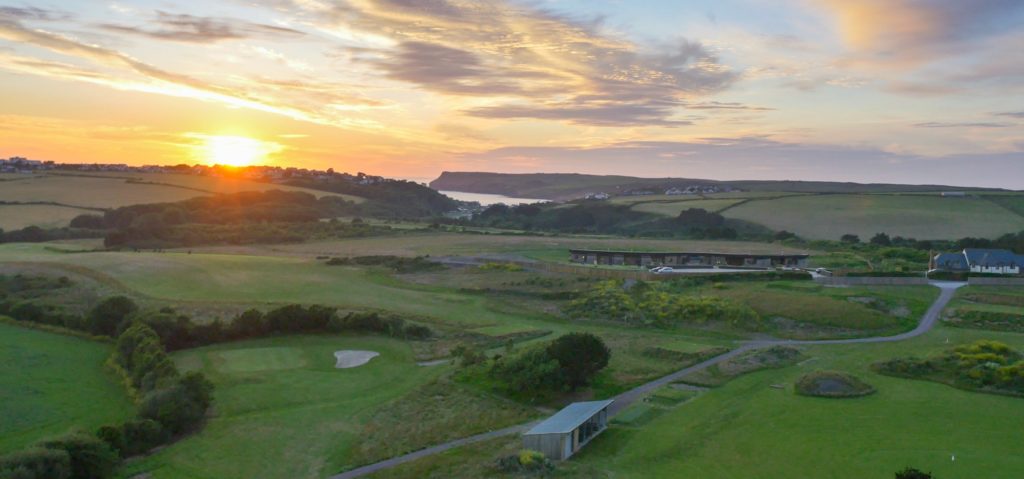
[{"x": 994, "y": 261}]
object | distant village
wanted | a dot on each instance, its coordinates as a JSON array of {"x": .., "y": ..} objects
[
  {"x": 270, "y": 174},
  {"x": 670, "y": 191}
]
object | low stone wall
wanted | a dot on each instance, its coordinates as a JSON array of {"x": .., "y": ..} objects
[
  {"x": 869, "y": 281},
  {"x": 996, "y": 281}
]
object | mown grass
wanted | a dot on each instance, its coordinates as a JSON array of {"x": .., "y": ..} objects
[
  {"x": 51, "y": 384},
  {"x": 297, "y": 418},
  {"x": 913, "y": 216}
]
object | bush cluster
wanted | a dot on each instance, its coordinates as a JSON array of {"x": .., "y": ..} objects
[
  {"x": 527, "y": 462},
  {"x": 398, "y": 264},
  {"x": 658, "y": 305},
  {"x": 989, "y": 366},
  {"x": 73, "y": 456},
  {"x": 567, "y": 363}
]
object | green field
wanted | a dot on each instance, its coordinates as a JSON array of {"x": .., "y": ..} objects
[
  {"x": 109, "y": 190},
  {"x": 913, "y": 216},
  {"x": 282, "y": 409},
  {"x": 51, "y": 384}
]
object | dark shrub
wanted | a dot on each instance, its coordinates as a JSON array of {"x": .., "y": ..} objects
[
  {"x": 580, "y": 356},
  {"x": 108, "y": 316},
  {"x": 90, "y": 458},
  {"x": 36, "y": 463}
]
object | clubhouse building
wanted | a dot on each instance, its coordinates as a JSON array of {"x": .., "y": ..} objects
[
  {"x": 993, "y": 261},
  {"x": 691, "y": 259}
]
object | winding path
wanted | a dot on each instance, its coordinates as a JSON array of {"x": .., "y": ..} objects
[{"x": 624, "y": 400}]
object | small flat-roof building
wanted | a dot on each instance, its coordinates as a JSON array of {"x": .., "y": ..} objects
[{"x": 561, "y": 435}]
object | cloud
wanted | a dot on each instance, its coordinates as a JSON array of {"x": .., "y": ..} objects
[
  {"x": 1011, "y": 114},
  {"x": 757, "y": 158},
  {"x": 965, "y": 124},
  {"x": 534, "y": 63},
  {"x": 905, "y": 33},
  {"x": 195, "y": 29},
  {"x": 448, "y": 70},
  {"x": 719, "y": 105},
  {"x": 118, "y": 70},
  {"x": 591, "y": 112},
  {"x": 33, "y": 14}
]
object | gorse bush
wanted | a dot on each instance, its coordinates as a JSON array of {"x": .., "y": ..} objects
[
  {"x": 988, "y": 366},
  {"x": 658, "y": 305}
]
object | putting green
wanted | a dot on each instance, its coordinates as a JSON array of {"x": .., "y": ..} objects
[{"x": 259, "y": 359}]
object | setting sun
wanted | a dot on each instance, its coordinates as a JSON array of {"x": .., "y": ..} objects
[{"x": 236, "y": 150}]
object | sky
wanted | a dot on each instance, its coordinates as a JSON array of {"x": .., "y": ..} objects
[{"x": 899, "y": 91}]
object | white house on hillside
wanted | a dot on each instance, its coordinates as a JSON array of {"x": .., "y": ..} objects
[{"x": 995, "y": 261}]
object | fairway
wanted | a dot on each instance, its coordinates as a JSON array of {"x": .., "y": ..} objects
[
  {"x": 51, "y": 384},
  {"x": 912, "y": 216},
  {"x": 16, "y": 217},
  {"x": 674, "y": 207},
  {"x": 282, "y": 409},
  {"x": 113, "y": 190},
  {"x": 748, "y": 428},
  {"x": 554, "y": 248}
]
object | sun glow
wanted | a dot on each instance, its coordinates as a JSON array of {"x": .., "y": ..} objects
[{"x": 236, "y": 150}]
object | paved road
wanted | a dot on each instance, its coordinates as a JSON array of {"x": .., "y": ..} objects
[
  {"x": 412, "y": 456},
  {"x": 624, "y": 400}
]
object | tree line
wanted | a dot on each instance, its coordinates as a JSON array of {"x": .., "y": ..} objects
[{"x": 603, "y": 217}]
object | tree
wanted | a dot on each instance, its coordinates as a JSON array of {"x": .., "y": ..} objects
[
  {"x": 181, "y": 407},
  {"x": 911, "y": 473},
  {"x": 87, "y": 221},
  {"x": 249, "y": 324},
  {"x": 36, "y": 463},
  {"x": 91, "y": 458},
  {"x": 784, "y": 235},
  {"x": 580, "y": 356},
  {"x": 107, "y": 317},
  {"x": 850, "y": 238},
  {"x": 881, "y": 239}
]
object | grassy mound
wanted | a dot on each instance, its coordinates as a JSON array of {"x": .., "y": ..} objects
[{"x": 832, "y": 384}]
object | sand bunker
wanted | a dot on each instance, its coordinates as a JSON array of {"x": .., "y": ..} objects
[{"x": 350, "y": 358}]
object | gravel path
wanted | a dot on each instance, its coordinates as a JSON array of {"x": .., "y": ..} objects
[{"x": 624, "y": 400}]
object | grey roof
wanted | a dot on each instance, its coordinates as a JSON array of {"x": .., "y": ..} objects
[
  {"x": 951, "y": 261},
  {"x": 570, "y": 417},
  {"x": 992, "y": 257}
]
